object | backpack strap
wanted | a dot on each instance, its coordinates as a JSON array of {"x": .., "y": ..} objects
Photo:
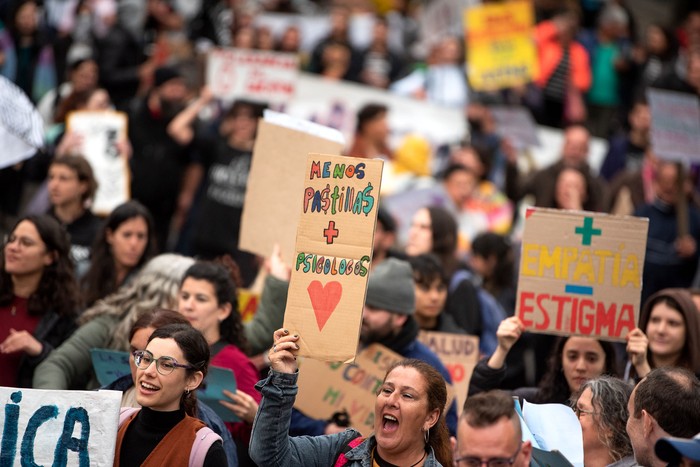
[
  {"x": 125, "y": 413},
  {"x": 340, "y": 459},
  {"x": 204, "y": 438}
]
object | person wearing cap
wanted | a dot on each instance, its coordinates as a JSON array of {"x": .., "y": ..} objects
[
  {"x": 665, "y": 403},
  {"x": 159, "y": 160},
  {"x": 489, "y": 432},
  {"x": 387, "y": 319},
  {"x": 679, "y": 451}
]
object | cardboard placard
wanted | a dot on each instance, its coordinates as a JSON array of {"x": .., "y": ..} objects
[
  {"x": 333, "y": 253},
  {"x": 101, "y": 131},
  {"x": 581, "y": 273},
  {"x": 254, "y": 74},
  {"x": 44, "y": 427},
  {"x": 212, "y": 391},
  {"x": 247, "y": 304},
  {"x": 459, "y": 353},
  {"x": 675, "y": 125},
  {"x": 517, "y": 124},
  {"x": 326, "y": 388},
  {"x": 500, "y": 45},
  {"x": 272, "y": 206},
  {"x": 109, "y": 365}
]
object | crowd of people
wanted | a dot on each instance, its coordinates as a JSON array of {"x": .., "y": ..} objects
[{"x": 159, "y": 276}]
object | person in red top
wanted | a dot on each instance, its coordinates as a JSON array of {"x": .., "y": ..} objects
[
  {"x": 39, "y": 297},
  {"x": 208, "y": 300}
]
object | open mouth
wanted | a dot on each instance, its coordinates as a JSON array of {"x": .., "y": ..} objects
[
  {"x": 390, "y": 423},
  {"x": 147, "y": 387}
]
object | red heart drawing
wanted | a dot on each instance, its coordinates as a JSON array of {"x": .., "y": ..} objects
[{"x": 324, "y": 299}]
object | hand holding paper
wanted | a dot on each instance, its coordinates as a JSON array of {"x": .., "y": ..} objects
[{"x": 283, "y": 354}]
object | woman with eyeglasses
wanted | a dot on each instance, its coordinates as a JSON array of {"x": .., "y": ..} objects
[
  {"x": 601, "y": 407},
  {"x": 170, "y": 369},
  {"x": 409, "y": 419}
]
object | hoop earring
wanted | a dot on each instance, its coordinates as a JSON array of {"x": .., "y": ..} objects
[
  {"x": 426, "y": 435},
  {"x": 187, "y": 392}
]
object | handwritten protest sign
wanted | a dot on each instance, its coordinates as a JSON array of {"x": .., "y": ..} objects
[
  {"x": 459, "y": 353},
  {"x": 247, "y": 304},
  {"x": 333, "y": 253},
  {"x": 59, "y": 428},
  {"x": 253, "y": 74},
  {"x": 500, "y": 45},
  {"x": 675, "y": 129},
  {"x": 109, "y": 365},
  {"x": 517, "y": 124},
  {"x": 581, "y": 273},
  {"x": 101, "y": 132},
  {"x": 281, "y": 148},
  {"x": 326, "y": 388},
  {"x": 212, "y": 391}
]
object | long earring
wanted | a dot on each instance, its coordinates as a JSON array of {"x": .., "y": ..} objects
[{"x": 426, "y": 435}]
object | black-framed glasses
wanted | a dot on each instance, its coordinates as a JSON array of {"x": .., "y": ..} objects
[
  {"x": 469, "y": 461},
  {"x": 164, "y": 365}
]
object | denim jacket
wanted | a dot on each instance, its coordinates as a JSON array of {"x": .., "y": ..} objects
[{"x": 271, "y": 445}]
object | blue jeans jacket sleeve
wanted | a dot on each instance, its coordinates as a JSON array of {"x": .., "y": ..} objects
[{"x": 270, "y": 443}]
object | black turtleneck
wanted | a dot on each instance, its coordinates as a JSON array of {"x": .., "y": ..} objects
[{"x": 148, "y": 429}]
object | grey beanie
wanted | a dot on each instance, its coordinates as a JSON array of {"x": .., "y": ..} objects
[{"x": 390, "y": 287}]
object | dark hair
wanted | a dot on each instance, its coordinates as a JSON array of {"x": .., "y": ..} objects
[
  {"x": 444, "y": 230},
  {"x": 454, "y": 168},
  {"x": 672, "y": 396},
  {"x": 83, "y": 170},
  {"x": 488, "y": 245},
  {"x": 58, "y": 288},
  {"x": 368, "y": 113},
  {"x": 553, "y": 387},
  {"x": 385, "y": 218},
  {"x": 487, "y": 408},
  {"x": 436, "y": 392},
  {"x": 238, "y": 106},
  {"x": 427, "y": 268},
  {"x": 195, "y": 349},
  {"x": 681, "y": 301},
  {"x": 74, "y": 101},
  {"x": 157, "y": 318},
  {"x": 609, "y": 397},
  {"x": 589, "y": 202},
  {"x": 101, "y": 279},
  {"x": 231, "y": 328}
]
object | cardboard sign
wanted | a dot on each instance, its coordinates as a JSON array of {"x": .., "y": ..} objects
[
  {"x": 675, "y": 128},
  {"x": 581, "y": 273},
  {"x": 256, "y": 75},
  {"x": 109, "y": 365},
  {"x": 43, "y": 427},
  {"x": 326, "y": 388},
  {"x": 500, "y": 45},
  {"x": 212, "y": 391},
  {"x": 247, "y": 304},
  {"x": 101, "y": 131},
  {"x": 333, "y": 253},
  {"x": 272, "y": 203},
  {"x": 459, "y": 353},
  {"x": 517, "y": 124}
]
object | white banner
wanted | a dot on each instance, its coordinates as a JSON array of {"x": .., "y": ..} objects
[{"x": 58, "y": 428}]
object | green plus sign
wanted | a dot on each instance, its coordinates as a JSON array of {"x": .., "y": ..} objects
[{"x": 587, "y": 231}]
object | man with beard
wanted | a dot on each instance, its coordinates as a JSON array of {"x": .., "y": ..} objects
[
  {"x": 159, "y": 161},
  {"x": 387, "y": 319}
]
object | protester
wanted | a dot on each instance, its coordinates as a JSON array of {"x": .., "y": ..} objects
[
  {"x": 409, "y": 422},
  {"x": 107, "y": 323},
  {"x": 72, "y": 187},
  {"x": 138, "y": 339},
  {"x": 431, "y": 295},
  {"x": 124, "y": 244},
  {"x": 679, "y": 451},
  {"x": 208, "y": 300},
  {"x": 670, "y": 336},
  {"x": 39, "y": 298},
  {"x": 170, "y": 369},
  {"x": 493, "y": 259},
  {"x": 490, "y": 433},
  {"x": 371, "y": 133},
  {"x": 573, "y": 361},
  {"x": 384, "y": 237},
  {"x": 665, "y": 403},
  {"x": 601, "y": 407},
  {"x": 82, "y": 76}
]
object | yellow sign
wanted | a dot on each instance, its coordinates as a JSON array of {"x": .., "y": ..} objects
[{"x": 500, "y": 46}]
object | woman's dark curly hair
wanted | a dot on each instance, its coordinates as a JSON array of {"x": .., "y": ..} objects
[
  {"x": 553, "y": 387},
  {"x": 231, "y": 328},
  {"x": 58, "y": 289},
  {"x": 101, "y": 279}
]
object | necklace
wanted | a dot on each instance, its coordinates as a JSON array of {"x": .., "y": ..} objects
[{"x": 381, "y": 461}]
